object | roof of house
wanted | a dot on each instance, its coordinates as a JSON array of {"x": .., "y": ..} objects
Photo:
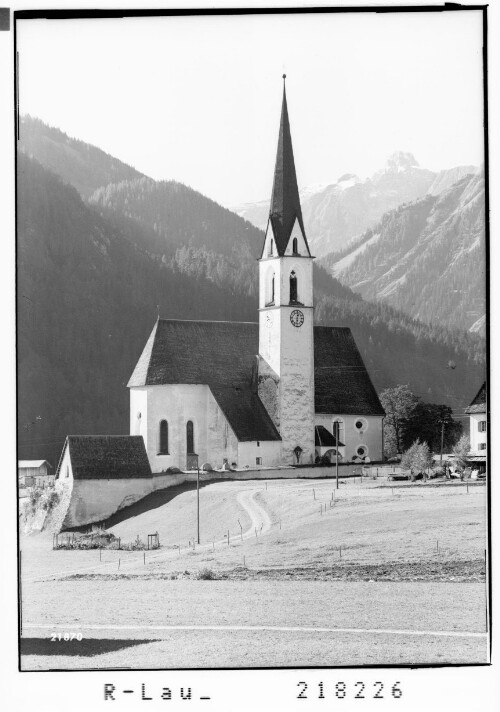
[
  {"x": 222, "y": 355},
  {"x": 478, "y": 405},
  {"x": 113, "y": 457},
  {"x": 324, "y": 438},
  {"x": 285, "y": 201},
  {"x": 22, "y": 464}
]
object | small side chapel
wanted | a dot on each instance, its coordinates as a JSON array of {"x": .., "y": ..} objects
[{"x": 258, "y": 394}]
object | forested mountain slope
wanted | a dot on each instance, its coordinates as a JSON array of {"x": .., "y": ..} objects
[{"x": 78, "y": 163}]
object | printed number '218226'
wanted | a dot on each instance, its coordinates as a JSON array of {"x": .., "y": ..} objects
[{"x": 357, "y": 690}]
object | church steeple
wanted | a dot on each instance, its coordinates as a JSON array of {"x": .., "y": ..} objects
[
  {"x": 286, "y": 312},
  {"x": 285, "y": 207}
]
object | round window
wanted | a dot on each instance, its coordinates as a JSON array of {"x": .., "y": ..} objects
[
  {"x": 361, "y": 451},
  {"x": 360, "y": 424}
]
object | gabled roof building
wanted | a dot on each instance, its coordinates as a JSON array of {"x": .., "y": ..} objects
[
  {"x": 265, "y": 393},
  {"x": 478, "y": 424}
]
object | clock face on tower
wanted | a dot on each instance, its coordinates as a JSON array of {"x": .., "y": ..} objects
[{"x": 297, "y": 318}]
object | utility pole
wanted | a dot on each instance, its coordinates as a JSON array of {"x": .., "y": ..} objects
[
  {"x": 337, "y": 453},
  {"x": 442, "y": 444},
  {"x": 198, "y": 498}
]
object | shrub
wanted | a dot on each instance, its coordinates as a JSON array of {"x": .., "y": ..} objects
[
  {"x": 206, "y": 574},
  {"x": 417, "y": 458},
  {"x": 460, "y": 452},
  {"x": 35, "y": 494},
  {"x": 49, "y": 500}
]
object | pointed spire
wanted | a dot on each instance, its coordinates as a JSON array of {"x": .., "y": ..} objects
[{"x": 285, "y": 202}]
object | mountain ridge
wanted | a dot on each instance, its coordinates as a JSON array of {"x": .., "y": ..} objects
[
  {"x": 426, "y": 258},
  {"x": 341, "y": 211}
]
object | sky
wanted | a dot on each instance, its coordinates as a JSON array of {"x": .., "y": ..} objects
[{"x": 198, "y": 99}]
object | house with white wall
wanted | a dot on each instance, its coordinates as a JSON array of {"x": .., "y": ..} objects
[{"x": 478, "y": 428}]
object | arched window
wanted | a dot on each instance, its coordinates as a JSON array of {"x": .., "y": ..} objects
[
  {"x": 270, "y": 288},
  {"x": 293, "y": 287},
  {"x": 163, "y": 444},
  {"x": 190, "y": 437},
  {"x": 295, "y": 248}
]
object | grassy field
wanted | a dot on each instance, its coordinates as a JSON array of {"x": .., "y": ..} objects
[{"x": 376, "y": 558}]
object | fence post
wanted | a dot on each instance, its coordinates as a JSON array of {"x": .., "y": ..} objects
[{"x": 228, "y": 537}]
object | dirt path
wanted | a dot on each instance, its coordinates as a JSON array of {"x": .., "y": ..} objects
[{"x": 261, "y": 521}]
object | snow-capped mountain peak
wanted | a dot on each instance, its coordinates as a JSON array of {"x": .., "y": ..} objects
[
  {"x": 401, "y": 161},
  {"x": 348, "y": 180}
]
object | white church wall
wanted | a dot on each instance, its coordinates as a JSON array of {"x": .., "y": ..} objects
[
  {"x": 269, "y": 342},
  {"x": 138, "y": 413},
  {"x": 303, "y": 269},
  {"x": 369, "y": 436},
  {"x": 268, "y": 267},
  {"x": 214, "y": 440},
  {"x": 267, "y": 451},
  {"x": 301, "y": 243},
  {"x": 296, "y": 389},
  {"x": 268, "y": 390},
  {"x": 269, "y": 247},
  {"x": 177, "y": 404},
  {"x": 221, "y": 441}
]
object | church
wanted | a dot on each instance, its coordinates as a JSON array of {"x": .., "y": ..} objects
[{"x": 264, "y": 394}]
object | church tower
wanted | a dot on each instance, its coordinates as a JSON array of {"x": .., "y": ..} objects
[{"x": 286, "y": 311}]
